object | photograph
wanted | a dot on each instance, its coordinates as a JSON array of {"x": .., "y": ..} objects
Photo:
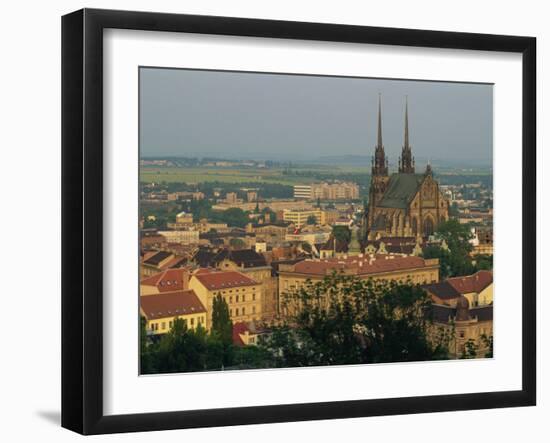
[{"x": 294, "y": 220}]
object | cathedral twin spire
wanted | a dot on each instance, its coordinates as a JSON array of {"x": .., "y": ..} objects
[
  {"x": 406, "y": 160},
  {"x": 380, "y": 162}
]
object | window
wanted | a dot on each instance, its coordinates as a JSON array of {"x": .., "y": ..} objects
[
  {"x": 254, "y": 296},
  {"x": 170, "y": 323},
  {"x": 243, "y": 310},
  {"x": 253, "y": 309},
  {"x": 192, "y": 321},
  {"x": 461, "y": 334},
  {"x": 163, "y": 325},
  {"x": 236, "y": 299},
  {"x": 231, "y": 312},
  {"x": 236, "y": 312},
  {"x": 243, "y": 297}
]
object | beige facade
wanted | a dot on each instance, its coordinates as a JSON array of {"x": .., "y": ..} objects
[
  {"x": 327, "y": 191},
  {"x": 388, "y": 267},
  {"x": 263, "y": 275},
  {"x": 299, "y": 217},
  {"x": 242, "y": 294}
]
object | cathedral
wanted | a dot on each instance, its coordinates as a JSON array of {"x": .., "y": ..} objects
[{"x": 402, "y": 204}]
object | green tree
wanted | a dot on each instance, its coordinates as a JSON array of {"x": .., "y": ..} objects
[
  {"x": 470, "y": 349},
  {"x": 456, "y": 259},
  {"x": 144, "y": 343},
  {"x": 221, "y": 322},
  {"x": 237, "y": 243},
  {"x": 341, "y": 233},
  {"x": 483, "y": 262},
  {"x": 346, "y": 320},
  {"x": 488, "y": 342},
  {"x": 311, "y": 220}
]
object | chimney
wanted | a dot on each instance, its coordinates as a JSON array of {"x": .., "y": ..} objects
[{"x": 185, "y": 276}]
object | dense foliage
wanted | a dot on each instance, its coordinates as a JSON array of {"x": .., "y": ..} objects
[{"x": 346, "y": 320}]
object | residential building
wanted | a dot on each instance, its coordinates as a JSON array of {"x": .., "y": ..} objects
[
  {"x": 327, "y": 191},
  {"x": 160, "y": 311},
  {"x": 299, "y": 217},
  {"x": 184, "y": 218},
  {"x": 242, "y": 294},
  {"x": 169, "y": 280},
  {"x": 247, "y": 334},
  {"x": 477, "y": 288},
  {"x": 182, "y": 236},
  {"x": 378, "y": 267},
  {"x": 463, "y": 323},
  {"x": 253, "y": 265}
]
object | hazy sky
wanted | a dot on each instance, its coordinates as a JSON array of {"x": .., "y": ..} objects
[{"x": 291, "y": 117}]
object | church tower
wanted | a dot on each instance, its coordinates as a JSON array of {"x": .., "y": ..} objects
[
  {"x": 379, "y": 179},
  {"x": 379, "y": 161},
  {"x": 406, "y": 161}
]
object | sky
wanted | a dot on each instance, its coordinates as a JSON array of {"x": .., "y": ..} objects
[{"x": 198, "y": 113}]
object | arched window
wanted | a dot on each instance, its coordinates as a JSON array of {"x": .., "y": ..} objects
[
  {"x": 414, "y": 226},
  {"x": 428, "y": 226}
]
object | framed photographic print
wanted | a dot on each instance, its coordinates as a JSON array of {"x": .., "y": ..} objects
[{"x": 269, "y": 221}]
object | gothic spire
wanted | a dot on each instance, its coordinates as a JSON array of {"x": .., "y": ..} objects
[
  {"x": 380, "y": 164},
  {"x": 379, "y": 143},
  {"x": 406, "y": 162}
]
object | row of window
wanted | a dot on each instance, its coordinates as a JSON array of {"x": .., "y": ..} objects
[
  {"x": 238, "y": 298},
  {"x": 241, "y": 311},
  {"x": 161, "y": 326},
  {"x": 236, "y": 290}
]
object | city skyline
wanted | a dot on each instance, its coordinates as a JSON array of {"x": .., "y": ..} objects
[{"x": 332, "y": 117}]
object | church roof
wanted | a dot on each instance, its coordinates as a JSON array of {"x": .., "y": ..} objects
[{"x": 401, "y": 190}]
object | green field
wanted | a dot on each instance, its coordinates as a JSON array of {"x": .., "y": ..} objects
[
  {"x": 300, "y": 175},
  {"x": 231, "y": 175}
]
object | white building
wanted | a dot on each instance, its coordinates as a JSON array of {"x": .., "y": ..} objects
[{"x": 182, "y": 236}]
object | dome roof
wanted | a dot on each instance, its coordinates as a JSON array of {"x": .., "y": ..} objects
[{"x": 462, "y": 309}]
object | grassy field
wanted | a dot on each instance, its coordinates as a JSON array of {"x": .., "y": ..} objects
[
  {"x": 261, "y": 175},
  {"x": 230, "y": 175}
]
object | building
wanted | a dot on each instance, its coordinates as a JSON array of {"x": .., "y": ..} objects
[
  {"x": 247, "y": 334},
  {"x": 242, "y": 294},
  {"x": 313, "y": 237},
  {"x": 251, "y": 196},
  {"x": 327, "y": 191},
  {"x": 153, "y": 262},
  {"x": 161, "y": 310},
  {"x": 253, "y": 265},
  {"x": 302, "y": 192},
  {"x": 477, "y": 288},
  {"x": 169, "y": 280},
  {"x": 231, "y": 197},
  {"x": 377, "y": 267},
  {"x": 463, "y": 323},
  {"x": 299, "y": 217},
  {"x": 181, "y": 236},
  {"x": 404, "y": 203},
  {"x": 184, "y": 218}
]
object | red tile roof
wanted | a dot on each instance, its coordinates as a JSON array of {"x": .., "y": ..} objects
[
  {"x": 168, "y": 281},
  {"x": 472, "y": 283},
  {"x": 239, "y": 329},
  {"x": 224, "y": 280},
  {"x": 360, "y": 265},
  {"x": 171, "y": 304}
]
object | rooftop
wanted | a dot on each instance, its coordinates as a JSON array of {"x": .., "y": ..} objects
[
  {"x": 360, "y": 265},
  {"x": 224, "y": 279},
  {"x": 472, "y": 283},
  {"x": 170, "y": 304},
  {"x": 169, "y": 280}
]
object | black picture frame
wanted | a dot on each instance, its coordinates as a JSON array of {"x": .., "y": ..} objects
[{"x": 82, "y": 215}]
